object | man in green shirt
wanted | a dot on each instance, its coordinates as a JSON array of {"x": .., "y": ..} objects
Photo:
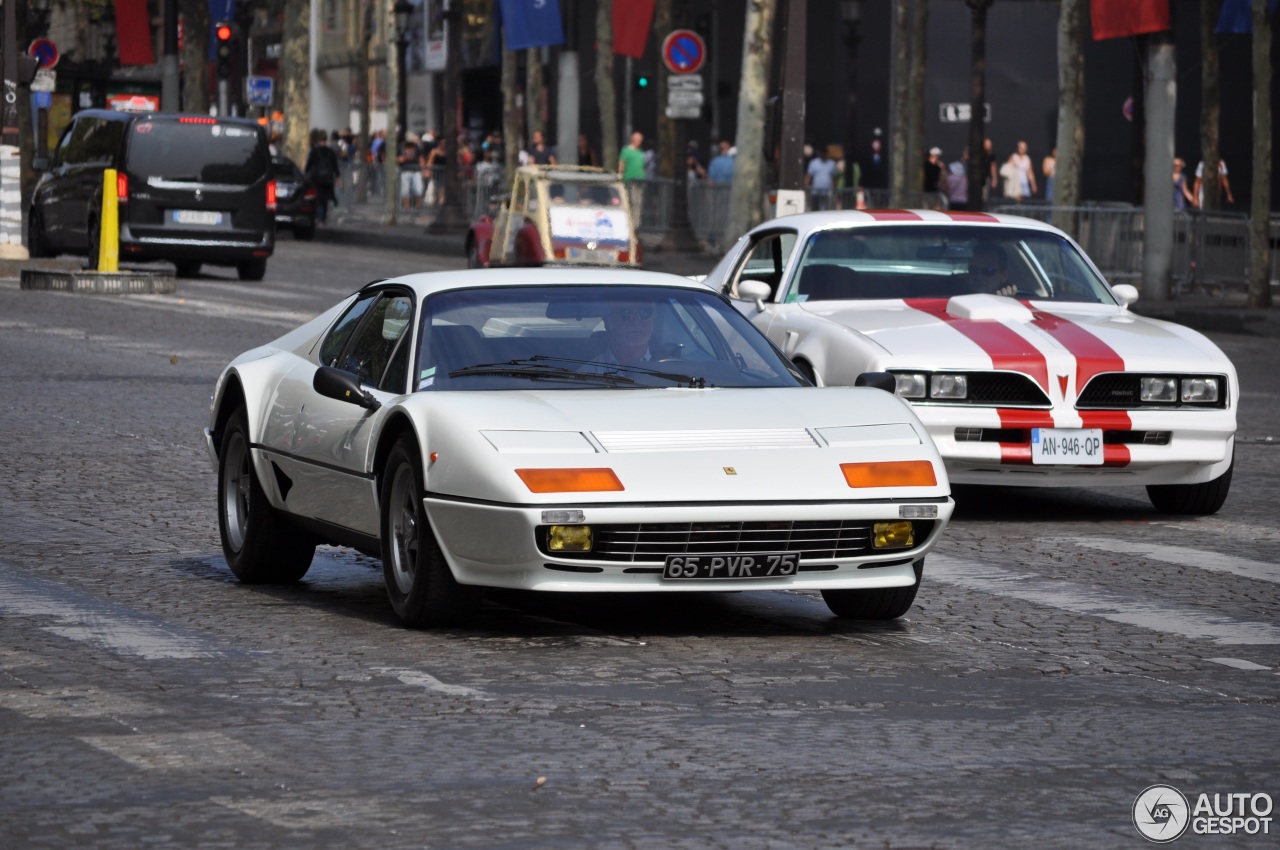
[{"x": 631, "y": 170}]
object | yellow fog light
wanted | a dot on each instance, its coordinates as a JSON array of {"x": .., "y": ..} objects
[
  {"x": 570, "y": 538},
  {"x": 892, "y": 535}
]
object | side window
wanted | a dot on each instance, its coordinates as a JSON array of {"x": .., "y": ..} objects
[
  {"x": 74, "y": 147},
  {"x": 337, "y": 338},
  {"x": 766, "y": 260},
  {"x": 376, "y": 344},
  {"x": 103, "y": 143}
]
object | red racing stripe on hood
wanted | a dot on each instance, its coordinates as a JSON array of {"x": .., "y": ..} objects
[
  {"x": 1093, "y": 356},
  {"x": 1008, "y": 351}
]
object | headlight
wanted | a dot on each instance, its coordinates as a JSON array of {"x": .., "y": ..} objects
[
  {"x": 910, "y": 385},
  {"x": 949, "y": 386},
  {"x": 1200, "y": 390},
  {"x": 1159, "y": 389}
]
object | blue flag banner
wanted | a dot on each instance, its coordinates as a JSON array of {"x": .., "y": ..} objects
[
  {"x": 531, "y": 23},
  {"x": 1237, "y": 15}
]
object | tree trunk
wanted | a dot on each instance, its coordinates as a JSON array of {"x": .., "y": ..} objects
[
  {"x": 900, "y": 106},
  {"x": 391, "y": 147},
  {"x": 1210, "y": 103},
  {"x": 1157, "y": 196},
  {"x": 1070, "y": 141},
  {"x": 979, "y": 163},
  {"x": 195, "y": 55},
  {"x": 748, "y": 168},
  {"x": 295, "y": 75},
  {"x": 915, "y": 99},
  {"x": 605, "y": 94},
  {"x": 366, "y": 97},
  {"x": 668, "y": 156},
  {"x": 510, "y": 109},
  {"x": 1260, "y": 212},
  {"x": 534, "y": 92}
]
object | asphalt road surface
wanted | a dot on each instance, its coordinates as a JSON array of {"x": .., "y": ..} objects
[{"x": 1067, "y": 650}]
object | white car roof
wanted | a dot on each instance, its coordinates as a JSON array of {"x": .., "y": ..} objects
[
  {"x": 427, "y": 283},
  {"x": 880, "y": 218}
]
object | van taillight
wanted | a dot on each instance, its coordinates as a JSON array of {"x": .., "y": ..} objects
[
  {"x": 196, "y": 119},
  {"x": 122, "y": 187},
  {"x": 271, "y": 196}
]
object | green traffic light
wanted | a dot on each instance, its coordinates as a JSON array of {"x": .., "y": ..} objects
[{"x": 642, "y": 82}]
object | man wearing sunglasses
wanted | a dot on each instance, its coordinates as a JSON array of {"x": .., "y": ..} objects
[
  {"x": 629, "y": 325},
  {"x": 989, "y": 270}
]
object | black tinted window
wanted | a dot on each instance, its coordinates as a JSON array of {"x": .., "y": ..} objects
[
  {"x": 341, "y": 332},
  {"x": 91, "y": 141},
  {"x": 197, "y": 151}
]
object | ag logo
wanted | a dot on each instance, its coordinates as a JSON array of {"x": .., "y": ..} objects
[{"x": 1161, "y": 813}]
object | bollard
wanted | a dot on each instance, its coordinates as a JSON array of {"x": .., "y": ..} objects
[{"x": 109, "y": 235}]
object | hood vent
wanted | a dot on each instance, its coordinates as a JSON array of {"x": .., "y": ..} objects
[{"x": 692, "y": 441}]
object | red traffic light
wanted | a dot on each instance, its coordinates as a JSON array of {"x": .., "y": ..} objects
[{"x": 223, "y": 32}]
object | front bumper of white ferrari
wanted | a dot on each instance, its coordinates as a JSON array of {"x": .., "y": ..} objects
[{"x": 498, "y": 545}]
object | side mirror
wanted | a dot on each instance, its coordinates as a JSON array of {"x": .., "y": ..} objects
[
  {"x": 343, "y": 386},
  {"x": 878, "y": 380},
  {"x": 755, "y": 290},
  {"x": 1126, "y": 293}
]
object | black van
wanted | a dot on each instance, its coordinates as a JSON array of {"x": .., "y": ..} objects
[{"x": 193, "y": 189}]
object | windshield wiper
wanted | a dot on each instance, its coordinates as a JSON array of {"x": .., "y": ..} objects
[
  {"x": 536, "y": 372},
  {"x": 693, "y": 381}
]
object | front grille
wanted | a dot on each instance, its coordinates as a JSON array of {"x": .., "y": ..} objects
[
  {"x": 1004, "y": 389},
  {"x": 992, "y": 435},
  {"x": 1123, "y": 391},
  {"x": 651, "y": 541},
  {"x": 993, "y": 389}
]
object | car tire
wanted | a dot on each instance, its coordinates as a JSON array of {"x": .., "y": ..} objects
[
  {"x": 422, "y": 589},
  {"x": 304, "y": 234},
  {"x": 255, "y": 269},
  {"x": 187, "y": 268},
  {"x": 37, "y": 242},
  {"x": 260, "y": 545},
  {"x": 1197, "y": 499},
  {"x": 881, "y": 603}
]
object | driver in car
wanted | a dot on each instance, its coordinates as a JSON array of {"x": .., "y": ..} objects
[
  {"x": 628, "y": 329},
  {"x": 989, "y": 270}
]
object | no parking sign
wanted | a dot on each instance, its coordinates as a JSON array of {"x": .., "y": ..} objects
[
  {"x": 684, "y": 52},
  {"x": 44, "y": 51}
]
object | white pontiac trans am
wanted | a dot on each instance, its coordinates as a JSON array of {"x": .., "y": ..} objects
[
  {"x": 1026, "y": 367},
  {"x": 567, "y": 430}
]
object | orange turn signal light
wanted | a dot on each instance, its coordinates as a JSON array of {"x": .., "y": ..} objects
[
  {"x": 907, "y": 473},
  {"x": 569, "y": 480}
]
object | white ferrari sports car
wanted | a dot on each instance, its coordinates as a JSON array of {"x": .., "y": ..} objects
[
  {"x": 567, "y": 430},
  {"x": 1024, "y": 364}
]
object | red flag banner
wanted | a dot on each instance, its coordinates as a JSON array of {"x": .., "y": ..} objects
[
  {"x": 632, "y": 20},
  {"x": 1119, "y": 18},
  {"x": 133, "y": 33}
]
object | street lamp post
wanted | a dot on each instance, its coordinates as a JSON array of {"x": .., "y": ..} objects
[
  {"x": 402, "y": 10},
  {"x": 851, "y": 12}
]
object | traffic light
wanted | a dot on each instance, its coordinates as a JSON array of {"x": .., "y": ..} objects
[
  {"x": 642, "y": 82},
  {"x": 224, "y": 33}
]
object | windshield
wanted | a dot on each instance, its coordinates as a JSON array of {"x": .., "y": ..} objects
[
  {"x": 942, "y": 261},
  {"x": 591, "y": 337},
  {"x": 197, "y": 151}
]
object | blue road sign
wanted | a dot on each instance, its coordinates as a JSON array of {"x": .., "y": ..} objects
[{"x": 259, "y": 90}]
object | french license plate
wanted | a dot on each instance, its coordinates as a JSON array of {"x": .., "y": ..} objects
[
  {"x": 592, "y": 256},
  {"x": 1070, "y": 446},
  {"x": 204, "y": 217},
  {"x": 702, "y": 567}
]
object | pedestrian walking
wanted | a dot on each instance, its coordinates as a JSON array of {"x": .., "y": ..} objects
[
  {"x": 323, "y": 171},
  {"x": 1047, "y": 169},
  {"x": 631, "y": 168},
  {"x": 720, "y": 170},
  {"x": 820, "y": 179}
]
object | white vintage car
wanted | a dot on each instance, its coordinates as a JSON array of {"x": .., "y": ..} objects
[
  {"x": 1024, "y": 364},
  {"x": 567, "y": 430}
]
